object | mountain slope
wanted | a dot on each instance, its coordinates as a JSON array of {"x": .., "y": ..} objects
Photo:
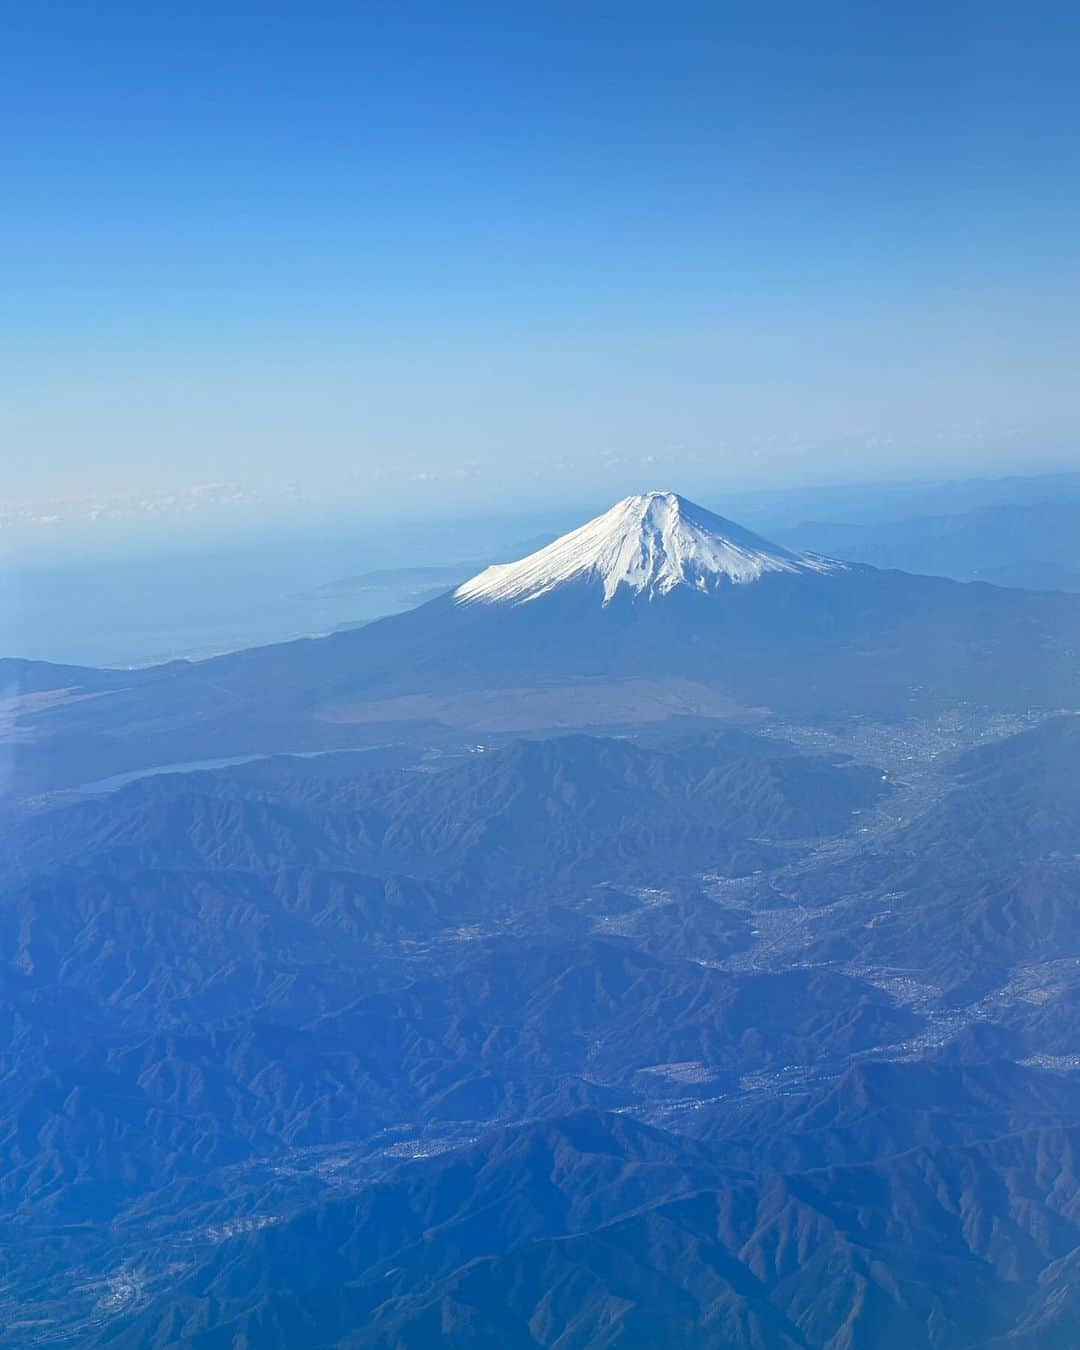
[
  {"x": 533, "y": 811},
  {"x": 595, "y": 1231}
]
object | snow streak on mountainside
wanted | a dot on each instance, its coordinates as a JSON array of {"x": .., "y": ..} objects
[{"x": 650, "y": 544}]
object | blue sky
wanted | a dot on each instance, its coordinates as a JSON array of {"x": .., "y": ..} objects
[{"x": 401, "y": 256}]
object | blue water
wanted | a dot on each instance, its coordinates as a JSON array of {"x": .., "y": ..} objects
[
  {"x": 191, "y": 600},
  {"x": 119, "y": 780}
]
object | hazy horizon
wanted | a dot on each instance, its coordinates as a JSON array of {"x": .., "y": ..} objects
[
  {"x": 195, "y": 579},
  {"x": 218, "y": 517}
]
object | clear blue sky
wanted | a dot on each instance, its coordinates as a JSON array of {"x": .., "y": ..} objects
[{"x": 426, "y": 252}]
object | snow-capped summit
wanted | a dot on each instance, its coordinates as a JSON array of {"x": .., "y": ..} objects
[{"x": 649, "y": 544}]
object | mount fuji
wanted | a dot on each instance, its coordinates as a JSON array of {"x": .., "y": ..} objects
[
  {"x": 655, "y": 608},
  {"x": 645, "y": 545}
]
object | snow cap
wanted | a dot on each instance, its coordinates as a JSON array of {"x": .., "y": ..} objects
[{"x": 648, "y": 544}]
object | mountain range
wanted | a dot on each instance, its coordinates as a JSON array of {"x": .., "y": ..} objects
[
  {"x": 668, "y": 937},
  {"x": 1033, "y": 544}
]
